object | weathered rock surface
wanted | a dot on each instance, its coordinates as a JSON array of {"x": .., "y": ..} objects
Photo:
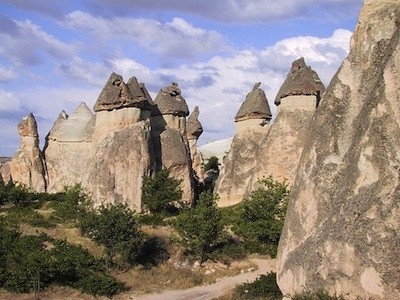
[
  {"x": 116, "y": 94},
  {"x": 194, "y": 129},
  {"x": 69, "y": 150},
  {"x": 26, "y": 166},
  {"x": 169, "y": 141},
  {"x": 282, "y": 147},
  {"x": 5, "y": 174},
  {"x": 301, "y": 80},
  {"x": 121, "y": 159},
  {"x": 342, "y": 226},
  {"x": 252, "y": 124}
]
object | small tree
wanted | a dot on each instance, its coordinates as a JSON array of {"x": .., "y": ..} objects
[
  {"x": 161, "y": 192},
  {"x": 199, "y": 228},
  {"x": 261, "y": 216},
  {"x": 212, "y": 165},
  {"x": 115, "y": 227}
]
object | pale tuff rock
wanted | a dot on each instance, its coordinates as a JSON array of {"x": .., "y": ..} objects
[
  {"x": 27, "y": 163},
  {"x": 169, "y": 142},
  {"x": 301, "y": 80},
  {"x": 194, "y": 130},
  {"x": 68, "y": 149},
  {"x": 282, "y": 147},
  {"x": 5, "y": 165},
  {"x": 342, "y": 226},
  {"x": 121, "y": 159},
  {"x": 252, "y": 124}
]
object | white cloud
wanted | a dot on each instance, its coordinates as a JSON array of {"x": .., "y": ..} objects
[
  {"x": 176, "y": 39},
  {"x": 25, "y": 43},
  {"x": 7, "y": 74},
  {"x": 236, "y": 11},
  {"x": 9, "y": 102}
]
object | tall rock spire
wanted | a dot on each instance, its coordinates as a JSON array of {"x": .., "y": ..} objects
[{"x": 341, "y": 231}]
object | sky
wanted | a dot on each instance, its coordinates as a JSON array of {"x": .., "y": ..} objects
[{"x": 55, "y": 54}]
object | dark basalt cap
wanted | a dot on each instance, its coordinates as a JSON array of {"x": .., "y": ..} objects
[
  {"x": 140, "y": 94},
  {"x": 169, "y": 101},
  {"x": 193, "y": 127},
  {"x": 115, "y": 94},
  {"x": 301, "y": 80},
  {"x": 255, "y": 106}
]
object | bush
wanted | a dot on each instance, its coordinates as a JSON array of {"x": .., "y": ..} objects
[
  {"x": 261, "y": 216},
  {"x": 265, "y": 286},
  {"x": 161, "y": 193},
  {"x": 115, "y": 227},
  {"x": 103, "y": 285},
  {"x": 16, "y": 194},
  {"x": 69, "y": 203},
  {"x": 199, "y": 229}
]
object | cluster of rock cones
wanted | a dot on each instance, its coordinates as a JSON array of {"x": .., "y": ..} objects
[{"x": 339, "y": 148}]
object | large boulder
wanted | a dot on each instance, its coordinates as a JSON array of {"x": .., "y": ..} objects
[
  {"x": 26, "y": 166},
  {"x": 342, "y": 229}
]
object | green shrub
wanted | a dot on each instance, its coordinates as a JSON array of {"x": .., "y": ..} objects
[
  {"x": 261, "y": 216},
  {"x": 161, "y": 193},
  {"x": 69, "y": 203},
  {"x": 199, "y": 229},
  {"x": 115, "y": 227},
  {"x": 25, "y": 214},
  {"x": 16, "y": 194},
  {"x": 265, "y": 286},
  {"x": 103, "y": 285}
]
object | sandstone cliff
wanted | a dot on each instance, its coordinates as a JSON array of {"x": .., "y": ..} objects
[
  {"x": 252, "y": 124},
  {"x": 342, "y": 227},
  {"x": 27, "y": 163}
]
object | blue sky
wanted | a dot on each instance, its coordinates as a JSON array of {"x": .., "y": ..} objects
[{"x": 55, "y": 54}]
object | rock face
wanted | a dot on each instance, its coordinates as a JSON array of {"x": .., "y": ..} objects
[
  {"x": 27, "y": 163},
  {"x": 169, "y": 142},
  {"x": 342, "y": 226},
  {"x": 5, "y": 174},
  {"x": 194, "y": 129},
  {"x": 69, "y": 149},
  {"x": 297, "y": 100},
  {"x": 121, "y": 140},
  {"x": 252, "y": 124}
]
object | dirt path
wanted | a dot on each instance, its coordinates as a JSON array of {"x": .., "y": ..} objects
[{"x": 211, "y": 291}]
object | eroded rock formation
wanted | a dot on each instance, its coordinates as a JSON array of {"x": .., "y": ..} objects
[
  {"x": 194, "y": 129},
  {"x": 341, "y": 231},
  {"x": 297, "y": 100},
  {"x": 26, "y": 166},
  {"x": 252, "y": 124},
  {"x": 170, "y": 145},
  {"x": 68, "y": 150}
]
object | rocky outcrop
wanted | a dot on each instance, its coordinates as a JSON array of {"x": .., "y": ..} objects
[
  {"x": 5, "y": 174},
  {"x": 194, "y": 129},
  {"x": 297, "y": 100},
  {"x": 252, "y": 124},
  {"x": 27, "y": 163},
  {"x": 68, "y": 149},
  {"x": 169, "y": 142},
  {"x": 341, "y": 231},
  {"x": 121, "y": 143}
]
